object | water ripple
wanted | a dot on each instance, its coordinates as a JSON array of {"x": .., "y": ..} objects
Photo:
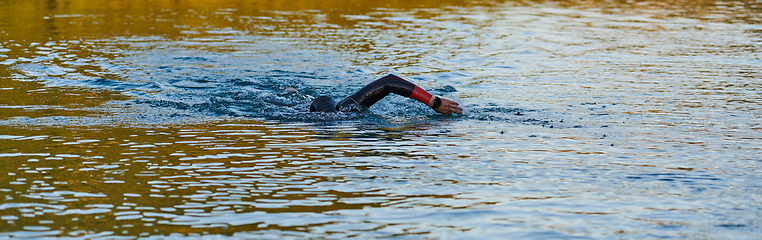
[{"x": 583, "y": 119}]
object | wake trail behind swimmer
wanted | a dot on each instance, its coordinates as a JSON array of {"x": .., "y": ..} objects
[{"x": 377, "y": 90}]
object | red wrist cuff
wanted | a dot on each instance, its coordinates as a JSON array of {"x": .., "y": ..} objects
[{"x": 420, "y": 95}]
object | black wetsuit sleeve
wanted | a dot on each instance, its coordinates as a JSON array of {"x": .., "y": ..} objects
[{"x": 375, "y": 91}]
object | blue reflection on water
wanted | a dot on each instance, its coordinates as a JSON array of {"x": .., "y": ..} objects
[{"x": 271, "y": 86}]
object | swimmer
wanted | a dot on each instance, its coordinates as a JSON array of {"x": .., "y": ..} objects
[{"x": 375, "y": 91}]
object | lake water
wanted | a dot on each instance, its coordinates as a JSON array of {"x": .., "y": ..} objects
[{"x": 584, "y": 119}]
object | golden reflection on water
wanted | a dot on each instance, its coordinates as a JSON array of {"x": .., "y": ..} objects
[
  {"x": 83, "y": 19},
  {"x": 41, "y": 20},
  {"x": 117, "y": 178},
  {"x": 34, "y": 100}
]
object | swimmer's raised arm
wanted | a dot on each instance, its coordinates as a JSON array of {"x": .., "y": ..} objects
[{"x": 377, "y": 90}]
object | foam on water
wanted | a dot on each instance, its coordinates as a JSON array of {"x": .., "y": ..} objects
[{"x": 256, "y": 84}]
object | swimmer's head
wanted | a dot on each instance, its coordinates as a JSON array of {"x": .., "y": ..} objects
[{"x": 323, "y": 104}]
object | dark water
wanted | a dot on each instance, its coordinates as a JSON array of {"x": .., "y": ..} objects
[{"x": 588, "y": 119}]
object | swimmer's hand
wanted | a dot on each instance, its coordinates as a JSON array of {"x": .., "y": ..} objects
[{"x": 448, "y": 106}]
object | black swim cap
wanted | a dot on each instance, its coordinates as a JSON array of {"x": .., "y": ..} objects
[{"x": 323, "y": 104}]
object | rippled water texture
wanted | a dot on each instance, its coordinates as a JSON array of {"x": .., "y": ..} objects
[{"x": 170, "y": 119}]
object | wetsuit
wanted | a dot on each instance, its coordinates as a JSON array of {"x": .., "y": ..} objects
[
  {"x": 375, "y": 91},
  {"x": 372, "y": 93}
]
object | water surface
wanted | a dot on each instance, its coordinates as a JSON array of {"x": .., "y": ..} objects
[{"x": 591, "y": 119}]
